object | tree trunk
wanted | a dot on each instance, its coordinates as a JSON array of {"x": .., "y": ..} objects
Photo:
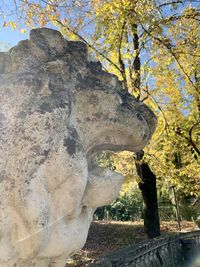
[
  {"x": 148, "y": 178},
  {"x": 149, "y": 193}
]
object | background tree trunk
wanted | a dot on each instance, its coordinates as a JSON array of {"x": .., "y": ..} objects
[
  {"x": 149, "y": 193},
  {"x": 148, "y": 178}
]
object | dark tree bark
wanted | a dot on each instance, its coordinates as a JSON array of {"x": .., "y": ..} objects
[
  {"x": 148, "y": 178},
  {"x": 137, "y": 61},
  {"x": 149, "y": 193}
]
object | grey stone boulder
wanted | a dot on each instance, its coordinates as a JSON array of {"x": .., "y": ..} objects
[{"x": 57, "y": 111}]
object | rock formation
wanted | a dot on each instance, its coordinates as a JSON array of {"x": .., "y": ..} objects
[{"x": 57, "y": 110}]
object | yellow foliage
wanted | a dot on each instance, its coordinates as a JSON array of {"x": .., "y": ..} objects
[
  {"x": 12, "y": 25},
  {"x": 23, "y": 31}
]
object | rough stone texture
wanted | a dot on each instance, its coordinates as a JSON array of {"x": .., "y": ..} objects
[{"x": 57, "y": 110}]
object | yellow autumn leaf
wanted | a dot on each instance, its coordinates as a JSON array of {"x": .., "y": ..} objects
[
  {"x": 12, "y": 25},
  {"x": 23, "y": 31}
]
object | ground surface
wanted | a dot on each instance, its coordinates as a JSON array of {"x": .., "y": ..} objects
[{"x": 106, "y": 237}]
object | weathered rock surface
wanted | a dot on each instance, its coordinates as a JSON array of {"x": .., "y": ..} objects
[{"x": 57, "y": 110}]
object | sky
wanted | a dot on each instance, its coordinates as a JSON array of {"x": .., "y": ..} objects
[
  {"x": 7, "y": 35},
  {"x": 10, "y": 37}
]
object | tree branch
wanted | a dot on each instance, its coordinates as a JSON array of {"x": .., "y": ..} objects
[
  {"x": 121, "y": 62},
  {"x": 189, "y": 139},
  {"x": 168, "y": 46},
  {"x": 90, "y": 45},
  {"x": 170, "y": 3},
  {"x": 129, "y": 60},
  {"x": 136, "y": 62}
]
